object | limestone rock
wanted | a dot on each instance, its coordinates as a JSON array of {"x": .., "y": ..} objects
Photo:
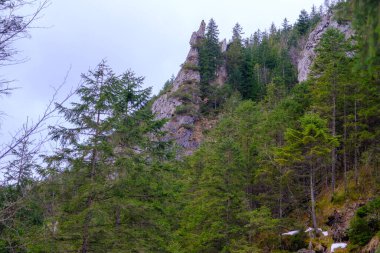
[
  {"x": 223, "y": 46},
  {"x": 308, "y": 53},
  {"x": 221, "y": 75},
  {"x": 183, "y": 93},
  {"x": 164, "y": 107}
]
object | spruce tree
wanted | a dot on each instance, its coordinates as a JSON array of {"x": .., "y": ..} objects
[
  {"x": 329, "y": 75},
  {"x": 303, "y": 22},
  {"x": 107, "y": 128},
  {"x": 308, "y": 146},
  {"x": 235, "y": 61},
  {"x": 210, "y": 58}
]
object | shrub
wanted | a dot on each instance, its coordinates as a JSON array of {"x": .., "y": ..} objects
[
  {"x": 190, "y": 66},
  {"x": 185, "y": 109},
  {"x": 295, "y": 242},
  {"x": 366, "y": 223},
  {"x": 187, "y": 93}
]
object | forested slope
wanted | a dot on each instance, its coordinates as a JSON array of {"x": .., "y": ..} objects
[{"x": 278, "y": 157}]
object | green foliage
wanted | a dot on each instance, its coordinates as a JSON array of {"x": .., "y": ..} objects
[
  {"x": 185, "y": 109},
  {"x": 308, "y": 144},
  {"x": 366, "y": 223},
  {"x": 303, "y": 22},
  {"x": 235, "y": 61},
  {"x": 167, "y": 86},
  {"x": 190, "y": 66},
  {"x": 110, "y": 190},
  {"x": 263, "y": 228},
  {"x": 188, "y": 92},
  {"x": 210, "y": 56},
  {"x": 262, "y": 59},
  {"x": 112, "y": 186},
  {"x": 295, "y": 242},
  {"x": 366, "y": 22},
  {"x": 210, "y": 60}
]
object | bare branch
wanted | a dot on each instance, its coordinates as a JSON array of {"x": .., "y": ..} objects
[{"x": 28, "y": 130}]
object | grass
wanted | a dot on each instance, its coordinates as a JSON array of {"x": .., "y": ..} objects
[{"x": 366, "y": 189}]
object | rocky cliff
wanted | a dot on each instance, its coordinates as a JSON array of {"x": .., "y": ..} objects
[
  {"x": 307, "y": 55},
  {"x": 180, "y": 105}
]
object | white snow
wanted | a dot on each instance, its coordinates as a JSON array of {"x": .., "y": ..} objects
[
  {"x": 312, "y": 229},
  {"x": 335, "y": 246},
  {"x": 309, "y": 229},
  {"x": 294, "y": 232},
  {"x": 325, "y": 233}
]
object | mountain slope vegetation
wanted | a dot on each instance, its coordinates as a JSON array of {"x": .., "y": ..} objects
[{"x": 284, "y": 157}]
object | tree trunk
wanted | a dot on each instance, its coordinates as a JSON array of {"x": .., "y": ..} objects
[
  {"x": 84, "y": 248},
  {"x": 356, "y": 151},
  {"x": 333, "y": 151},
  {"x": 345, "y": 142},
  {"x": 312, "y": 199},
  {"x": 87, "y": 220}
]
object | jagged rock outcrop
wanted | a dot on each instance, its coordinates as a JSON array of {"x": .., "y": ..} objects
[
  {"x": 308, "y": 53},
  {"x": 221, "y": 74},
  {"x": 180, "y": 105}
]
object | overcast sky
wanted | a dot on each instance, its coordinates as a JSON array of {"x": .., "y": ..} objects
[{"x": 150, "y": 37}]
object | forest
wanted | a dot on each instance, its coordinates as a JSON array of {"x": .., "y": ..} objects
[{"x": 288, "y": 166}]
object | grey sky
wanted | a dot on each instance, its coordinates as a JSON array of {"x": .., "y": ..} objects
[{"x": 148, "y": 36}]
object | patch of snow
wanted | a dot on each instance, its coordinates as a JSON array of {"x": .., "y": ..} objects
[
  {"x": 325, "y": 233},
  {"x": 312, "y": 229},
  {"x": 308, "y": 230},
  {"x": 294, "y": 232},
  {"x": 335, "y": 246}
]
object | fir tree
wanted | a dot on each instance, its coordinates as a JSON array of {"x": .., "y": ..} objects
[
  {"x": 108, "y": 126},
  {"x": 303, "y": 22},
  {"x": 210, "y": 58},
  {"x": 329, "y": 74},
  {"x": 308, "y": 146}
]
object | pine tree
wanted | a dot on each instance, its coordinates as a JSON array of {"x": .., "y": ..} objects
[
  {"x": 308, "y": 146},
  {"x": 286, "y": 26},
  {"x": 107, "y": 128},
  {"x": 235, "y": 62},
  {"x": 303, "y": 22},
  {"x": 19, "y": 171},
  {"x": 210, "y": 58},
  {"x": 329, "y": 73}
]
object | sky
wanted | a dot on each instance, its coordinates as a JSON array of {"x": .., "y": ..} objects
[{"x": 149, "y": 37}]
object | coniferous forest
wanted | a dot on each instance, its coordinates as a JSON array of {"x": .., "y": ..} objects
[{"x": 288, "y": 166}]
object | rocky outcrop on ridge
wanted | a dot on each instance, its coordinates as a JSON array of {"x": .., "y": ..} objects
[
  {"x": 308, "y": 53},
  {"x": 180, "y": 105}
]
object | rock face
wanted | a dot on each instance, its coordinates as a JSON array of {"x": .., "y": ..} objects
[
  {"x": 339, "y": 221},
  {"x": 180, "y": 105},
  {"x": 372, "y": 246},
  {"x": 308, "y": 53},
  {"x": 221, "y": 74}
]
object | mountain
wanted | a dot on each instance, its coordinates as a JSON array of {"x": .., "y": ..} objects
[{"x": 267, "y": 143}]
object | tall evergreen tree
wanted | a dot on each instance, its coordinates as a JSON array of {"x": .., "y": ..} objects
[
  {"x": 329, "y": 74},
  {"x": 210, "y": 58},
  {"x": 303, "y": 22},
  {"x": 108, "y": 128},
  {"x": 235, "y": 61},
  {"x": 308, "y": 146}
]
